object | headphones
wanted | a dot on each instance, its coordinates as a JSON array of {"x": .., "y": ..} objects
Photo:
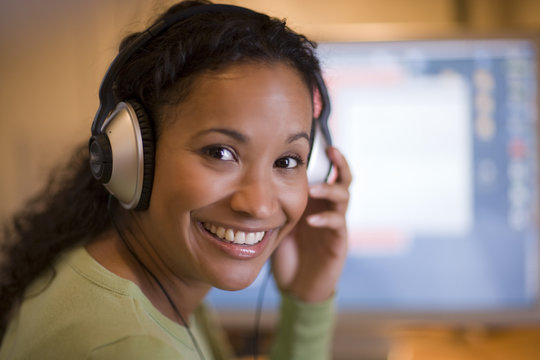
[{"x": 122, "y": 144}]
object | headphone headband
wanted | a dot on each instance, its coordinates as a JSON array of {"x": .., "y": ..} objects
[{"x": 107, "y": 102}]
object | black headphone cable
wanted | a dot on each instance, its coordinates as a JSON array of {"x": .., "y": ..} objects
[{"x": 154, "y": 277}]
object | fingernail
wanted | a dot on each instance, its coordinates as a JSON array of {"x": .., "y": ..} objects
[
  {"x": 316, "y": 190},
  {"x": 315, "y": 220}
]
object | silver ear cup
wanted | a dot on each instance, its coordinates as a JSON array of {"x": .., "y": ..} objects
[
  {"x": 319, "y": 166},
  {"x": 123, "y": 130}
]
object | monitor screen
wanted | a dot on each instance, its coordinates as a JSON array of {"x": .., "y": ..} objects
[{"x": 442, "y": 141}]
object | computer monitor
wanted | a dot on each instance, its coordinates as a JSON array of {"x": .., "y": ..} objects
[{"x": 441, "y": 136}]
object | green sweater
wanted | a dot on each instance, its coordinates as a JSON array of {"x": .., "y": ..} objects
[{"x": 83, "y": 311}]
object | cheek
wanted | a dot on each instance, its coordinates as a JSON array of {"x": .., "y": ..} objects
[
  {"x": 178, "y": 187},
  {"x": 294, "y": 201}
]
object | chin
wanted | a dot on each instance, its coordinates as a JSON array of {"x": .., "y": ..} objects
[{"x": 236, "y": 280}]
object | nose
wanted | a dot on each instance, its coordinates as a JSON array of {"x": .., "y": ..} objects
[{"x": 256, "y": 196}]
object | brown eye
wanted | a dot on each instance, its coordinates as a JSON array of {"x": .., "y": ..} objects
[
  {"x": 287, "y": 162},
  {"x": 219, "y": 153}
]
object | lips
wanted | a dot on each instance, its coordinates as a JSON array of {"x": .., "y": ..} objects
[{"x": 235, "y": 236}]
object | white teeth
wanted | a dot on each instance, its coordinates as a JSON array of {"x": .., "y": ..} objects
[
  {"x": 229, "y": 235},
  {"x": 220, "y": 232},
  {"x": 250, "y": 238},
  {"x": 240, "y": 237},
  {"x": 237, "y": 237}
]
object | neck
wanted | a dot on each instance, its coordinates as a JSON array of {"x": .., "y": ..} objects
[{"x": 173, "y": 296}]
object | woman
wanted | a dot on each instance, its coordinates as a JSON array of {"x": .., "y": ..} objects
[{"x": 229, "y": 94}]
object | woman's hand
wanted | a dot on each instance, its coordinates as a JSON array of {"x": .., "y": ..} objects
[{"x": 308, "y": 262}]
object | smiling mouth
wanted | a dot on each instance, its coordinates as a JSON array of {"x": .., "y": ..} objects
[{"x": 234, "y": 236}]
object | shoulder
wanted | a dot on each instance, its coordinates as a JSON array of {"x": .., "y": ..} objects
[{"x": 82, "y": 309}]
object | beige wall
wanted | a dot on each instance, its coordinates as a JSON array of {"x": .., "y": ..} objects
[
  {"x": 51, "y": 63},
  {"x": 53, "y": 54}
]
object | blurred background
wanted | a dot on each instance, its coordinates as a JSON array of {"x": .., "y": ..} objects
[{"x": 54, "y": 53}]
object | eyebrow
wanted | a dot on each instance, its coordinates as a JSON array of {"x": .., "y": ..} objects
[
  {"x": 244, "y": 139},
  {"x": 300, "y": 135},
  {"x": 231, "y": 133}
]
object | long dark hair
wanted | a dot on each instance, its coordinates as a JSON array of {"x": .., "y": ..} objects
[{"x": 74, "y": 207}]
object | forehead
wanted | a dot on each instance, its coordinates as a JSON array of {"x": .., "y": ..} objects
[{"x": 246, "y": 94}]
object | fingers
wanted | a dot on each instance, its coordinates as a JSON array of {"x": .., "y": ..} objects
[
  {"x": 344, "y": 175},
  {"x": 337, "y": 192},
  {"x": 328, "y": 219},
  {"x": 339, "y": 195}
]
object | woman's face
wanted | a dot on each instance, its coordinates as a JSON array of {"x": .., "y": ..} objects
[{"x": 230, "y": 175}]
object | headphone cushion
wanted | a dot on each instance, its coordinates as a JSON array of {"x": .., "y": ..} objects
[{"x": 147, "y": 137}]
